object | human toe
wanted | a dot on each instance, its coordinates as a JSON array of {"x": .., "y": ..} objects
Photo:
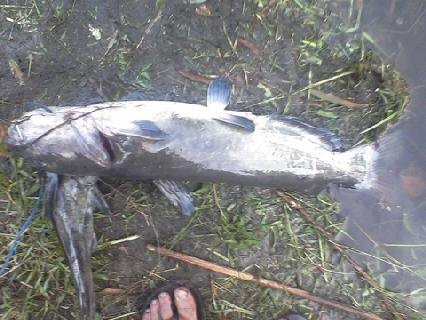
[{"x": 185, "y": 304}]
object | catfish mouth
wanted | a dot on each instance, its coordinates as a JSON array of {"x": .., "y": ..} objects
[
  {"x": 21, "y": 136},
  {"x": 14, "y": 138}
]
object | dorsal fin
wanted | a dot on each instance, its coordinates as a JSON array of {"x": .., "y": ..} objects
[
  {"x": 219, "y": 94},
  {"x": 325, "y": 135}
]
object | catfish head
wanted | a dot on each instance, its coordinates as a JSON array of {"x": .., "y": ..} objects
[{"x": 63, "y": 138}]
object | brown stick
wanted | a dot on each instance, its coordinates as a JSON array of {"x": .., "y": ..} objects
[
  {"x": 263, "y": 282},
  {"x": 194, "y": 76}
]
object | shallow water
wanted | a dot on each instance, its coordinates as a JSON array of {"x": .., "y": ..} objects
[{"x": 390, "y": 233}]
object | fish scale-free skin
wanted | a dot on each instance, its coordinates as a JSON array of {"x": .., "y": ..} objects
[
  {"x": 186, "y": 143},
  {"x": 166, "y": 142}
]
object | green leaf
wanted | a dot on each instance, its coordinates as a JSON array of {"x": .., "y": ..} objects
[{"x": 326, "y": 114}]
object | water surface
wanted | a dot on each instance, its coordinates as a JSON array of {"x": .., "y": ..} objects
[{"x": 390, "y": 233}]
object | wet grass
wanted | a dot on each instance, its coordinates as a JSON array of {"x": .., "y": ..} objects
[
  {"x": 315, "y": 65},
  {"x": 38, "y": 274}
]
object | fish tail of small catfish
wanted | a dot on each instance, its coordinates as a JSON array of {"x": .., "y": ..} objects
[{"x": 72, "y": 215}]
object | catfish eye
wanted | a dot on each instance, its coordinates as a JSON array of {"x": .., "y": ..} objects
[{"x": 39, "y": 164}]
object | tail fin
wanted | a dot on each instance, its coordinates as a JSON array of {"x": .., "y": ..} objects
[
  {"x": 392, "y": 170},
  {"x": 359, "y": 163},
  {"x": 369, "y": 154},
  {"x": 400, "y": 167},
  {"x": 378, "y": 166}
]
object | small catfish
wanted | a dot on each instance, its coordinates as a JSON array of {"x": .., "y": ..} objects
[{"x": 70, "y": 202}]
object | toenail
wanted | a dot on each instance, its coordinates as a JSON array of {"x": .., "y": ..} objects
[
  {"x": 163, "y": 295},
  {"x": 154, "y": 302},
  {"x": 147, "y": 311},
  {"x": 181, "y": 293}
]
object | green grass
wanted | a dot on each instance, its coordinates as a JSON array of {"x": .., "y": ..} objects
[
  {"x": 38, "y": 281},
  {"x": 249, "y": 229}
]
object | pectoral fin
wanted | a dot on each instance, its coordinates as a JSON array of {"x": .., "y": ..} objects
[
  {"x": 93, "y": 144},
  {"x": 144, "y": 129},
  {"x": 177, "y": 194}
]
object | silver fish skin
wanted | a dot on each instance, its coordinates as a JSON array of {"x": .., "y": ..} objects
[
  {"x": 73, "y": 203},
  {"x": 151, "y": 140}
]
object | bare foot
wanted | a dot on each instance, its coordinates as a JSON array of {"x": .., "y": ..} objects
[{"x": 162, "y": 308}]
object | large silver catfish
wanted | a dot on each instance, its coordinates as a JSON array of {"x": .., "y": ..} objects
[
  {"x": 169, "y": 142},
  {"x": 177, "y": 141}
]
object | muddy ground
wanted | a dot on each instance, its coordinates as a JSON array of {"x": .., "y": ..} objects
[{"x": 275, "y": 52}]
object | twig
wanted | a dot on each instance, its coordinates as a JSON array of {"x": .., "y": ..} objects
[
  {"x": 261, "y": 281},
  {"x": 111, "y": 243},
  {"x": 336, "y": 100},
  {"x": 122, "y": 316},
  {"x": 194, "y": 76},
  {"x": 249, "y": 45},
  {"x": 294, "y": 203},
  {"x": 149, "y": 28},
  {"x": 321, "y": 82}
]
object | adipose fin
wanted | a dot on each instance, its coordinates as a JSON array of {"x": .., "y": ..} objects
[{"x": 325, "y": 135}]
